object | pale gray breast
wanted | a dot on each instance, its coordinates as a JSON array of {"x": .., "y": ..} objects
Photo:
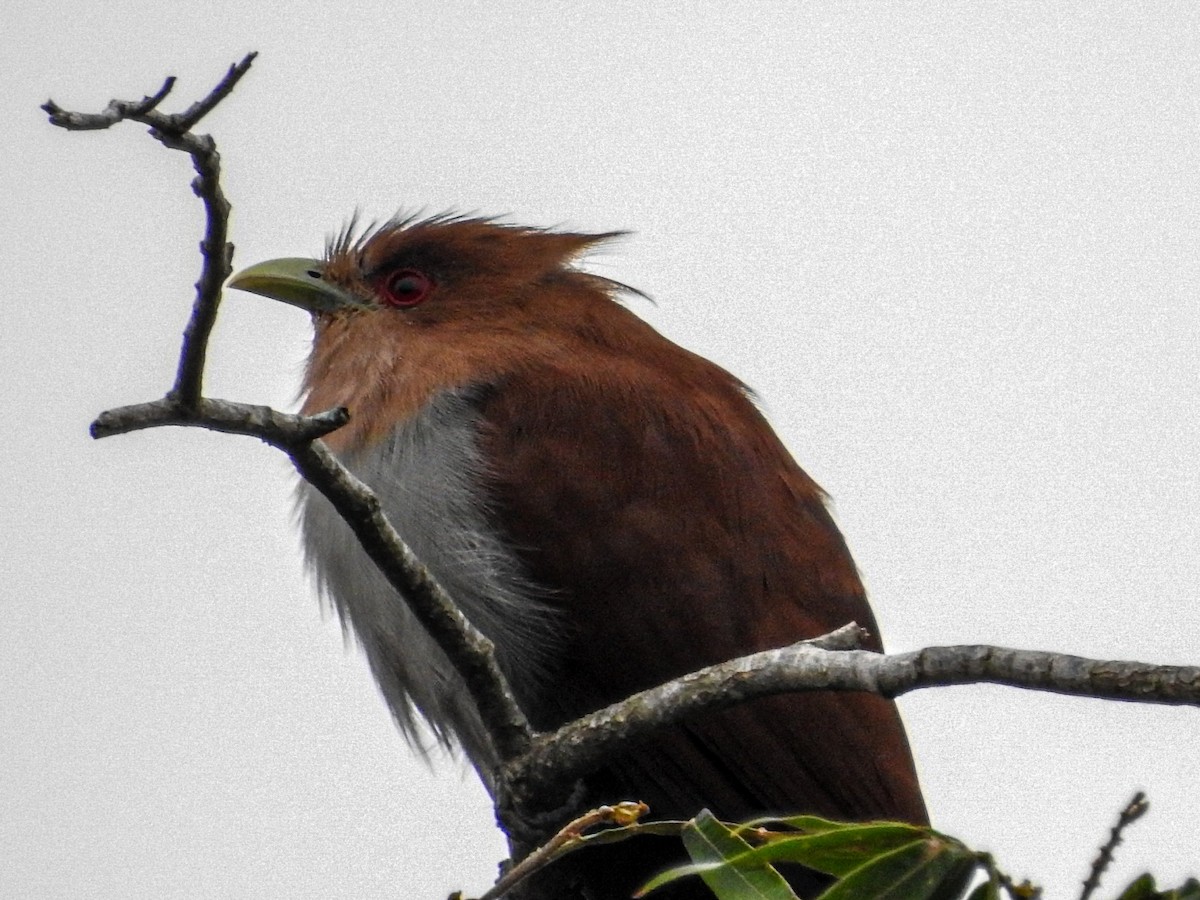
[{"x": 427, "y": 475}]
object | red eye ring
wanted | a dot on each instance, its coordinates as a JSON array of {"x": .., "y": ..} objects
[{"x": 405, "y": 288}]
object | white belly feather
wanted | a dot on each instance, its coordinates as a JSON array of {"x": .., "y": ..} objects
[{"x": 426, "y": 473}]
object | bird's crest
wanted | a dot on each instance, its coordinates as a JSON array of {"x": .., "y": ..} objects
[{"x": 451, "y": 241}]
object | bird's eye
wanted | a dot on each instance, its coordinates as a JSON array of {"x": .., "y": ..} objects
[{"x": 405, "y": 288}]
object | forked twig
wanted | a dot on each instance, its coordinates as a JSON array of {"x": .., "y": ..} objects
[{"x": 216, "y": 251}]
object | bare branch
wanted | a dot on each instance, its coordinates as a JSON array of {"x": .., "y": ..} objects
[
  {"x": 276, "y": 428},
  {"x": 569, "y": 837},
  {"x": 217, "y": 254},
  {"x": 471, "y": 652},
  {"x": 1134, "y": 810},
  {"x": 145, "y": 110},
  {"x": 215, "y": 250},
  {"x": 188, "y": 120},
  {"x": 579, "y": 747},
  {"x": 116, "y": 111}
]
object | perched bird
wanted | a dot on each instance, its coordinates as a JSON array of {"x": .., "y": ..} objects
[{"x": 611, "y": 510}]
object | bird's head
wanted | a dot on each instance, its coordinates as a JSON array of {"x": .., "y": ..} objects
[
  {"x": 429, "y": 270},
  {"x": 414, "y": 306}
]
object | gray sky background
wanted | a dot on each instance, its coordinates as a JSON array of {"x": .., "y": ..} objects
[{"x": 953, "y": 247}]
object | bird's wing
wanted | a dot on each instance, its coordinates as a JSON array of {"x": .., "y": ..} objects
[{"x": 674, "y": 529}]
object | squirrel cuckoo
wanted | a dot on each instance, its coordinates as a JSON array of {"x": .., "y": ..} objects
[{"x": 611, "y": 510}]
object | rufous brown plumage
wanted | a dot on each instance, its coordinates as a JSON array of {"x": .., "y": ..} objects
[{"x": 609, "y": 508}]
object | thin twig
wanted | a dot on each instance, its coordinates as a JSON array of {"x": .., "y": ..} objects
[
  {"x": 116, "y": 111},
  {"x": 568, "y": 838},
  {"x": 215, "y": 250},
  {"x": 188, "y": 119},
  {"x": 1134, "y": 810},
  {"x": 279, "y": 429}
]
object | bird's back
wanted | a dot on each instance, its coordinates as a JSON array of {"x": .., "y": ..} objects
[{"x": 648, "y": 494}]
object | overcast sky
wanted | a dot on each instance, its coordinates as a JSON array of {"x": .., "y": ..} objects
[{"x": 952, "y": 246}]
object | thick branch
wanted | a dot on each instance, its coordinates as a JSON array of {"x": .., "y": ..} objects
[{"x": 581, "y": 746}]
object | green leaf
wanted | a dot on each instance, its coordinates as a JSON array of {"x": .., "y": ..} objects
[
  {"x": 709, "y": 841},
  {"x": 934, "y": 868},
  {"x": 842, "y": 850},
  {"x": 1143, "y": 888},
  {"x": 807, "y": 824},
  {"x": 673, "y": 874},
  {"x": 716, "y": 852}
]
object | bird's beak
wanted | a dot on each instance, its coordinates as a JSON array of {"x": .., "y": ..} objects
[{"x": 293, "y": 280}]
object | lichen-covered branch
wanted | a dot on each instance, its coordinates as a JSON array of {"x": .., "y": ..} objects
[{"x": 577, "y": 748}]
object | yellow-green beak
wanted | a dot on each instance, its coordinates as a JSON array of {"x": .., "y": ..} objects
[{"x": 296, "y": 281}]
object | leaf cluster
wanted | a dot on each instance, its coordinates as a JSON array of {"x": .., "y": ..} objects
[{"x": 870, "y": 861}]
